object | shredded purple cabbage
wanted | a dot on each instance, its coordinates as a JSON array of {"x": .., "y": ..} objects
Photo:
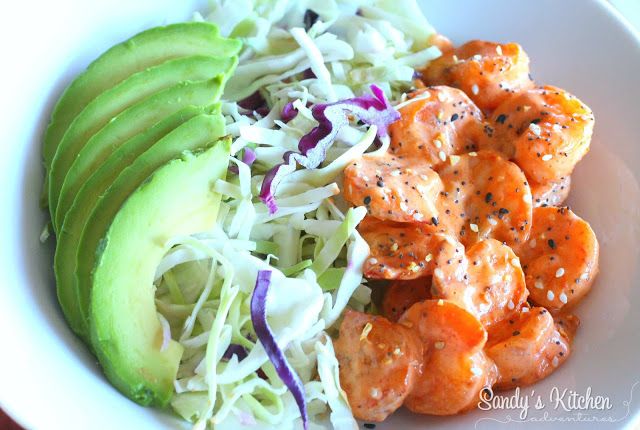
[
  {"x": 372, "y": 109},
  {"x": 253, "y": 102},
  {"x": 248, "y": 158},
  {"x": 288, "y": 112},
  {"x": 237, "y": 350},
  {"x": 266, "y": 337}
]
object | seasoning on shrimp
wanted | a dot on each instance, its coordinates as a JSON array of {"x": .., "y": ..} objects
[
  {"x": 492, "y": 288},
  {"x": 548, "y": 138},
  {"x": 435, "y": 123},
  {"x": 488, "y": 194},
  {"x": 378, "y": 371},
  {"x": 488, "y": 72},
  {"x": 399, "y": 250},
  {"x": 393, "y": 187},
  {"x": 566, "y": 269},
  {"x": 529, "y": 346},
  {"x": 455, "y": 367}
]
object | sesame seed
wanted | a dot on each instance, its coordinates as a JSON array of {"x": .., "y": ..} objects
[
  {"x": 535, "y": 128},
  {"x": 397, "y": 351},
  {"x": 442, "y": 156},
  {"x": 557, "y": 128},
  {"x": 414, "y": 267},
  {"x": 563, "y": 298},
  {"x": 438, "y": 273},
  {"x": 584, "y": 276},
  {"x": 454, "y": 159},
  {"x": 439, "y": 345},
  {"x": 473, "y": 154},
  {"x": 394, "y": 247},
  {"x": 476, "y": 371},
  {"x": 428, "y": 258},
  {"x": 555, "y": 362},
  {"x": 375, "y": 393},
  {"x": 539, "y": 285},
  {"x": 524, "y": 310},
  {"x": 437, "y": 143},
  {"x": 560, "y": 272},
  {"x": 526, "y": 108},
  {"x": 395, "y": 173},
  {"x": 455, "y": 58},
  {"x": 510, "y": 305},
  {"x": 372, "y": 261},
  {"x": 499, "y": 49},
  {"x": 365, "y": 331},
  {"x": 440, "y": 302},
  {"x": 550, "y": 295},
  {"x": 492, "y": 221},
  {"x": 477, "y": 57},
  {"x": 473, "y": 227},
  {"x": 515, "y": 262},
  {"x": 547, "y": 157}
]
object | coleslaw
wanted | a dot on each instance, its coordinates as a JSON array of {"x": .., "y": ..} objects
[{"x": 255, "y": 300}]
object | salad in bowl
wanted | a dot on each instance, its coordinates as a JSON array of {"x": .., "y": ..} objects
[{"x": 303, "y": 214}]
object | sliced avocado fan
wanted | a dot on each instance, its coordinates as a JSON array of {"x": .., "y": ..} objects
[
  {"x": 178, "y": 199},
  {"x": 163, "y": 144},
  {"x": 86, "y": 156},
  {"x": 108, "y": 105},
  {"x": 144, "y": 50}
]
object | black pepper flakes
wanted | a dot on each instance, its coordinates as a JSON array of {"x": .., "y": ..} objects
[
  {"x": 434, "y": 220},
  {"x": 501, "y": 118},
  {"x": 552, "y": 243},
  {"x": 488, "y": 197},
  {"x": 367, "y": 200}
]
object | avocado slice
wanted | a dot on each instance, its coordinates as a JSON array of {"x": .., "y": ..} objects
[
  {"x": 86, "y": 156},
  {"x": 136, "y": 88},
  {"x": 69, "y": 234},
  {"x": 144, "y": 50},
  {"x": 178, "y": 199}
]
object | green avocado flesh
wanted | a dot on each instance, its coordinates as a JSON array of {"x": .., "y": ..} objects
[
  {"x": 144, "y": 50},
  {"x": 94, "y": 208},
  {"x": 69, "y": 234},
  {"x": 109, "y": 104},
  {"x": 177, "y": 199},
  {"x": 85, "y": 157},
  {"x": 132, "y": 152}
]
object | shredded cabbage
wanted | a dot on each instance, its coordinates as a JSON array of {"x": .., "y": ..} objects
[{"x": 296, "y": 55}]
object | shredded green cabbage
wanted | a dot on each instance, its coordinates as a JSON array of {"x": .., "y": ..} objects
[{"x": 311, "y": 244}]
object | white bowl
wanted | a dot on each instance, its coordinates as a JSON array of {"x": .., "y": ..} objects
[{"x": 48, "y": 380}]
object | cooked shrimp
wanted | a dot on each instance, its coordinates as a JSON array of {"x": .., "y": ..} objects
[
  {"x": 401, "y": 295},
  {"x": 560, "y": 260},
  {"x": 544, "y": 130},
  {"x": 379, "y": 364},
  {"x": 435, "y": 123},
  {"x": 485, "y": 196},
  {"x": 487, "y": 281},
  {"x": 393, "y": 187},
  {"x": 442, "y": 42},
  {"x": 455, "y": 368},
  {"x": 552, "y": 193},
  {"x": 527, "y": 348},
  {"x": 488, "y": 72},
  {"x": 399, "y": 250}
]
